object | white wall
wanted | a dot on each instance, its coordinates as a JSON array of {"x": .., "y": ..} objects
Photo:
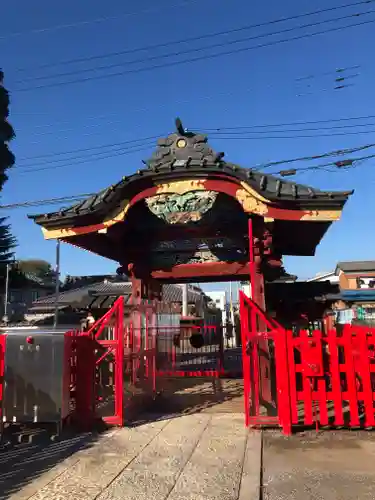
[{"x": 219, "y": 298}]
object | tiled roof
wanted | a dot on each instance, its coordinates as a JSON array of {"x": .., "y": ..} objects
[
  {"x": 353, "y": 296},
  {"x": 197, "y": 159},
  {"x": 105, "y": 293},
  {"x": 356, "y": 266}
]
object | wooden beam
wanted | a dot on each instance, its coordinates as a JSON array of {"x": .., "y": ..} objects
[{"x": 210, "y": 271}]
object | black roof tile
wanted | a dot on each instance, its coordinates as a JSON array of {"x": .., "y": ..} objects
[
  {"x": 196, "y": 159},
  {"x": 85, "y": 295}
]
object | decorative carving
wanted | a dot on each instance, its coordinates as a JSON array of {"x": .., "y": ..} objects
[
  {"x": 322, "y": 215},
  {"x": 181, "y": 187},
  {"x": 183, "y": 147},
  {"x": 250, "y": 204},
  {"x": 167, "y": 254},
  {"x": 181, "y": 208}
]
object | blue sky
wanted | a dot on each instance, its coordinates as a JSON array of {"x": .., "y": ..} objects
[{"x": 242, "y": 89}]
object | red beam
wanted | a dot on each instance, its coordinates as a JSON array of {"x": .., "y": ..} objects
[{"x": 206, "y": 270}]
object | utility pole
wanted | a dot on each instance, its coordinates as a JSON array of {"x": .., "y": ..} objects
[
  {"x": 57, "y": 287},
  {"x": 5, "y": 317},
  {"x": 185, "y": 300}
]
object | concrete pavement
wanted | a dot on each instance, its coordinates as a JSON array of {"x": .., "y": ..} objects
[
  {"x": 330, "y": 465},
  {"x": 200, "y": 457}
]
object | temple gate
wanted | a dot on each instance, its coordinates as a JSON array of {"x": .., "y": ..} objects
[{"x": 191, "y": 216}]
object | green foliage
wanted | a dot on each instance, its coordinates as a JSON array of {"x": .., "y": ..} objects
[
  {"x": 37, "y": 267},
  {"x": 7, "y": 242}
]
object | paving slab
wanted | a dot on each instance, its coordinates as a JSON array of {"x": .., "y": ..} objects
[
  {"x": 87, "y": 473},
  {"x": 25, "y": 465},
  {"x": 153, "y": 473},
  {"x": 200, "y": 456},
  {"x": 250, "y": 488},
  {"x": 328, "y": 465},
  {"x": 215, "y": 468}
]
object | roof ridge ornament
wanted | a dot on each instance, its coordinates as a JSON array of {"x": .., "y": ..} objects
[{"x": 179, "y": 127}]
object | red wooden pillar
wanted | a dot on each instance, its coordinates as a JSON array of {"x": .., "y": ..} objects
[
  {"x": 259, "y": 348},
  {"x": 85, "y": 382}
]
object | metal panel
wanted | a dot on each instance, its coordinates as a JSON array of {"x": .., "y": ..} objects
[{"x": 34, "y": 375}]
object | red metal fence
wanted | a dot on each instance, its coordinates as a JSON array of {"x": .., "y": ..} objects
[
  {"x": 194, "y": 351},
  {"x": 332, "y": 377},
  {"x": 265, "y": 369},
  {"x": 2, "y": 367},
  {"x": 117, "y": 363},
  {"x": 306, "y": 378}
]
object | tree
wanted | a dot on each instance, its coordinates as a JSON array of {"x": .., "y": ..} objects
[
  {"x": 7, "y": 241},
  {"x": 38, "y": 267}
]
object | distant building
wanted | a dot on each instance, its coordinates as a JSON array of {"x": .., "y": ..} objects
[
  {"x": 23, "y": 290},
  {"x": 355, "y": 301},
  {"x": 98, "y": 293},
  {"x": 325, "y": 276},
  {"x": 356, "y": 275},
  {"x": 219, "y": 299}
]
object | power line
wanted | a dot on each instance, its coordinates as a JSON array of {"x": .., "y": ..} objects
[
  {"x": 49, "y": 201},
  {"x": 286, "y": 124},
  {"x": 204, "y": 97},
  {"x": 147, "y": 141},
  {"x": 339, "y": 165},
  {"x": 308, "y": 129},
  {"x": 97, "y": 20},
  {"x": 196, "y": 59},
  {"x": 189, "y": 51},
  {"x": 95, "y": 158},
  {"x": 337, "y": 152},
  {"x": 101, "y": 146},
  {"x": 201, "y": 37},
  {"x": 121, "y": 150},
  {"x": 233, "y": 138}
]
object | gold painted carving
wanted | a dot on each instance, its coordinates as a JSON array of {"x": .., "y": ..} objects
[
  {"x": 322, "y": 215},
  {"x": 250, "y": 204},
  {"x": 53, "y": 234},
  {"x": 254, "y": 193},
  {"x": 117, "y": 218},
  {"x": 181, "y": 187}
]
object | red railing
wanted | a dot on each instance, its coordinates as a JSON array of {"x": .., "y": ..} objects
[
  {"x": 332, "y": 377},
  {"x": 193, "y": 351},
  {"x": 265, "y": 369},
  {"x": 114, "y": 367},
  {"x": 316, "y": 378},
  {"x": 2, "y": 367}
]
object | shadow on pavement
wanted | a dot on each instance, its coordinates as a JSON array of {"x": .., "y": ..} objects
[
  {"x": 185, "y": 396},
  {"x": 20, "y": 464}
]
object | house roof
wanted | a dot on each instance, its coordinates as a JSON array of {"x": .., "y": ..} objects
[
  {"x": 195, "y": 159},
  {"x": 355, "y": 266},
  {"x": 353, "y": 296},
  {"x": 103, "y": 294},
  {"x": 322, "y": 276}
]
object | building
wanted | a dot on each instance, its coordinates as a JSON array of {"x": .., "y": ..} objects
[
  {"x": 325, "y": 276},
  {"x": 354, "y": 300},
  {"x": 356, "y": 275},
  {"x": 219, "y": 299},
  {"x": 23, "y": 290},
  {"x": 98, "y": 295}
]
